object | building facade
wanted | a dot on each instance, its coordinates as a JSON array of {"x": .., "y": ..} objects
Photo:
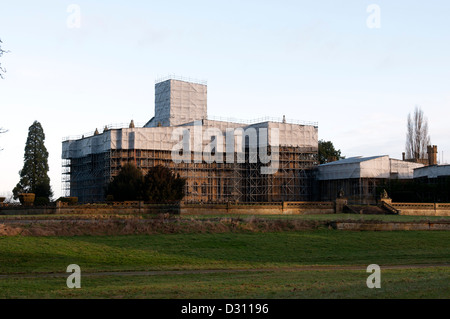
[
  {"x": 359, "y": 177},
  {"x": 256, "y": 161}
]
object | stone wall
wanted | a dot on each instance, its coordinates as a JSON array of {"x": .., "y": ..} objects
[
  {"x": 281, "y": 208},
  {"x": 422, "y": 209},
  {"x": 301, "y": 208},
  {"x": 185, "y": 209}
]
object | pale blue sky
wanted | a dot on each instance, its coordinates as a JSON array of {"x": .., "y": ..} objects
[{"x": 309, "y": 60}]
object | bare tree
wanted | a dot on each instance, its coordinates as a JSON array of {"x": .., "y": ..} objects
[
  {"x": 2, "y": 70},
  {"x": 417, "y": 138},
  {"x": 1, "y": 132}
]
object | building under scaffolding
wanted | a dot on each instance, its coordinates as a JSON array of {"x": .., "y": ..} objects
[
  {"x": 257, "y": 161},
  {"x": 358, "y": 177}
]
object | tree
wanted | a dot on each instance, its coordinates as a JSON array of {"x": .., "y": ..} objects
[
  {"x": 34, "y": 174},
  {"x": 1, "y": 132},
  {"x": 417, "y": 138},
  {"x": 2, "y": 70},
  {"x": 127, "y": 185},
  {"x": 161, "y": 185},
  {"x": 327, "y": 152}
]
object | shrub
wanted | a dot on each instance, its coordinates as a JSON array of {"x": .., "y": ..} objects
[
  {"x": 160, "y": 185},
  {"x": 68, "y": 200},
  {"x": 41, "y": 201},
  {"x": 127, "y": 185}
]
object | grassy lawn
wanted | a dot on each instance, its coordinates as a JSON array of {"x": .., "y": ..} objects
[
  {"x": 222, "y": 250},
  {"x": 229, "y": 251},
  {"x": 410, "y": 283}
]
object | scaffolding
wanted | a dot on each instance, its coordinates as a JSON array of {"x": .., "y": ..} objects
[
  {"x": 88, "y": 177},
  {"x": 91, "y": 162},
  {"x": 359, "y": 177}
]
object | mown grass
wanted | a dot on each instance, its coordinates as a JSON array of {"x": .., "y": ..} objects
[
  {"x": 229, "y": 250},
  {"x": 406, "y": 283},
  {"x": 221, "y": 250}
]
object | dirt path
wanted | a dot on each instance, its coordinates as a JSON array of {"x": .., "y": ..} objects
[{"x": 215, "y": 271}]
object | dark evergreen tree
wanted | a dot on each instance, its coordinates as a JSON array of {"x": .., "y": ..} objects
[
  {"x": 127, "y": 185},
  {"x": 162, "y": 186},
  {"x": 159, "y": 185},
  {"x": 34, "y": 174},
  {"x": 328, "y": 153}
]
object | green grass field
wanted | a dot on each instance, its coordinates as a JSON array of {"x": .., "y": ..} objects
[
  {"x": 411, "y": 283},
  {"x": 257, "y": 251}
]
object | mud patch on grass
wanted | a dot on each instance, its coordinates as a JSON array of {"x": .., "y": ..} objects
[{"x": 161, "y": 225}]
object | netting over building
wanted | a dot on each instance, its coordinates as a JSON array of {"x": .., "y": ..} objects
[
  {"x": 178, "y": 102},
  {"x": 221, "y": 160},
  {"x": 358, "y": 177}
]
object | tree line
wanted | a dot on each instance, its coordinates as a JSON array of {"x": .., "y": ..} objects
[{"x": 158, "y": 185}]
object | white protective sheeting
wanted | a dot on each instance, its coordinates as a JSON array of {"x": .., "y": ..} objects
[
  {"x": 178, "y": 102},
  {"x": 157, "y": 138},
  {"x": 91, "y": 145},
  {"x": 183, "y": 105},
  {"x": 293, "y": 135},
  {"x": 296, "y": 135},
  {"x": 165, "y": 138},
  {"x": 367, "y": 167},
  {"x": 352, "y": 168},
  {"x": 403, "y": 169},
  {"x": 434, "y": 171}
]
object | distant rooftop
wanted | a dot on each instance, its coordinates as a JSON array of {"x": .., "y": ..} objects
[
  {"x": 261, "y": 120},
  {"x": 180, "y": 78},
  {"x": 118, "y": 126},
  {"x": 432, "y": 171},
  {"x": 353, "y": 160}
]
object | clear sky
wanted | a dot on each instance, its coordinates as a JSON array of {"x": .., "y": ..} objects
[{"x": 309, "y": 60}]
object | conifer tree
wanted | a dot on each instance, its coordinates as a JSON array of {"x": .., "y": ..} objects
[{"x": 34, "y": 174}]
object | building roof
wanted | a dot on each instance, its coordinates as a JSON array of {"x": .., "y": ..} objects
[
  {"x": 433, "y": 171},
  {"x": 380, "y": 166},
  {"x": 352, "y": 160}
]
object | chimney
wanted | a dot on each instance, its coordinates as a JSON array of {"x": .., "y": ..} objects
[
  {"x": 432, "y": 154},
  {"x": 403, "y": 156},
  {"x": 331, "y": 159}
]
